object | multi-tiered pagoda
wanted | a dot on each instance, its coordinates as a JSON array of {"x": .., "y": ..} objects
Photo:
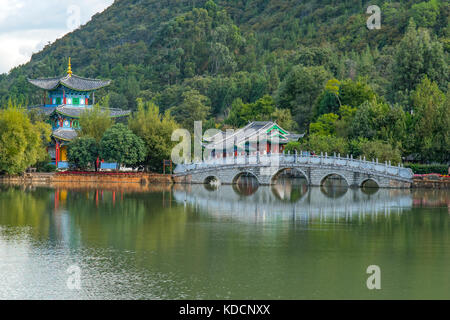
[{"x": 66, "y": 98}]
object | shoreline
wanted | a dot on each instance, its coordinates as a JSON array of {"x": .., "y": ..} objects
[{"x": 149, "y": 179}]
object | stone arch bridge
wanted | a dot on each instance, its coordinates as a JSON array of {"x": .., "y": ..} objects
[{"x": 266, "y": 168}]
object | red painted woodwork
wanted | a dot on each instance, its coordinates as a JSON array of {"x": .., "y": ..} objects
[{"x": 56, "y": 154}]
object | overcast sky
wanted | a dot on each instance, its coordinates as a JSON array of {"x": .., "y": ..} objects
[{"x": 26, "y": 26}]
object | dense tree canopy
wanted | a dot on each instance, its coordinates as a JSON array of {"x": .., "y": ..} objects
[
  {"x": 155, "y": 130},
  {"x": 120, "y": 145},
  {"x": 299, "y": 91},
  {"x": 22, "y": 142},
  {"x": 82, "y": 153},
  {"x": 94, "y": 123},
  {"x": 430, "y": 122}
]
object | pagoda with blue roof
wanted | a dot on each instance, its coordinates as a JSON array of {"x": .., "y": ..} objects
[{"x": 65, "y": 100}]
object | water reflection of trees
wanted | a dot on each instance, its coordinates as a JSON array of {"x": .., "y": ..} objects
[{"x": 26, "y": 208}]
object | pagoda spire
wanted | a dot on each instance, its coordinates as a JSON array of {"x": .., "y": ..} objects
[{"x": 69, "y": 69}]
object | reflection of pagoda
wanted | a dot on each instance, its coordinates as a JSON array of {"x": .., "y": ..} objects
[{"x": 65, "y": 100}]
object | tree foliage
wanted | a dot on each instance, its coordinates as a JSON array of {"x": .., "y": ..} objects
[
  {"x": 430, "y": 123},
  {"x": 119, "y": 144},
  {"x": 299, "y": 91},
  {"x": 241, "y": 113},
  {"x": 94, "y": 123},
  {"x": 82, "y": 153},
  {"x": 155, "y": 130},
  {"x": 326, "y": 143},
  {"x": 22, "y": 142},
  {"x": 418, "y": 55},
  {"x": 194, "y": 107}
]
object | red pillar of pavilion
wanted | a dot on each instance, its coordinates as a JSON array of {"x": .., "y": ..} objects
[{"x": 56, "y": 154}]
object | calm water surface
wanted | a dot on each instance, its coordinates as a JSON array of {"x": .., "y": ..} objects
[{"x": 194, "y": 242}]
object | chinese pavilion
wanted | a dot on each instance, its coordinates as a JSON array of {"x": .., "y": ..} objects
[
  {"x": 258, "y": 136},
  {"x": 65, "y": 99}
]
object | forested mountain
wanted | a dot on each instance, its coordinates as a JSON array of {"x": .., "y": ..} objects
[{"x": 233, "y": 57}]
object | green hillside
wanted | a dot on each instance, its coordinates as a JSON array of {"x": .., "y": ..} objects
[
  {"x": 148, "y": 45},
  {"x": 223, "y": 61}
]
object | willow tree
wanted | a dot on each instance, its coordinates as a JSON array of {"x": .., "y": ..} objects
[{"x": 22, "y": 141}]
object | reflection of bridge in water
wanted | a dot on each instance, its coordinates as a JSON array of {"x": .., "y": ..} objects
[{"x": 282, "y": 202}]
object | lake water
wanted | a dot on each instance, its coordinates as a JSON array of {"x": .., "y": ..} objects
[{"x": 286, "y": 241}]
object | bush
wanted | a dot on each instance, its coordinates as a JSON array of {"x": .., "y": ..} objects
[
  {"x": 45, "y": 167},
  {"x": 376, "y": 149},
  {"x": 119, "y": 144},
  {"x": 292, "y": 146},
  {"x": 82, "y": 153},
  {"x": 329, "y": 144},
  {"x": 427, "y": 168}
]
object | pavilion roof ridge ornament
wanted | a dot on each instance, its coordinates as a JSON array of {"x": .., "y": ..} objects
[{"x": 69, "y": 69}]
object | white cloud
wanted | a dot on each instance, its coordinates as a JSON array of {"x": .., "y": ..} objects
[{"x": 26, "y": 26}]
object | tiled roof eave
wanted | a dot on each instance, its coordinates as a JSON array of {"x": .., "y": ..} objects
[
  {"x": 73, "y": 82},
  {"x": 82, "y": 89},
  {"x": 77, "y": 113},
  {"x": 65, "y": 135}
]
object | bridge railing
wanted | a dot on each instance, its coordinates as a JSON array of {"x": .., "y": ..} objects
[{"x": 304, "y": 158}]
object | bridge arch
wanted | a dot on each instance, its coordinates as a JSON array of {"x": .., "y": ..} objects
[
  {"x": 326, "y": 176},
  {"x": 369, "y": 183},
  {"x": 244, "y": 173},
  {"x": 211, "y": 178},
  {"x": 280, "y": 171}
]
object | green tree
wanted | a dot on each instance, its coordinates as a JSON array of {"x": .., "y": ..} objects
[
  {"x": 83, "y": 152},
  {"x": 284, "y": 119},
  {"x": 119, "y": 144},
  {"x": 195, "y": 107},
  {"x": 343, "y": 126},
  {"x": 262, "y": 109},
  {"x": 94, "y": 122},
  {"x": 425, "y": 13},
  {"x": 22, "y": 142},
  {"x": 235, "y": 117},
  {"x": 293, "y": 146},
  {"x": 299, "y": 91},
  {"x": 327, "y": 102},
  {"x": 325, "y": 125},
  {"x": 375, "y": 149},
  {"x": 354, "y": 93},
  {"x": 430, "y": 126},
  {"x": 375, "y": 120},
  {"x": 330, "y": 144},
  {"x": 155, "y": 130},
  {"x": 418, "y": 55},
  {"x": 348, "y": 92}
]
